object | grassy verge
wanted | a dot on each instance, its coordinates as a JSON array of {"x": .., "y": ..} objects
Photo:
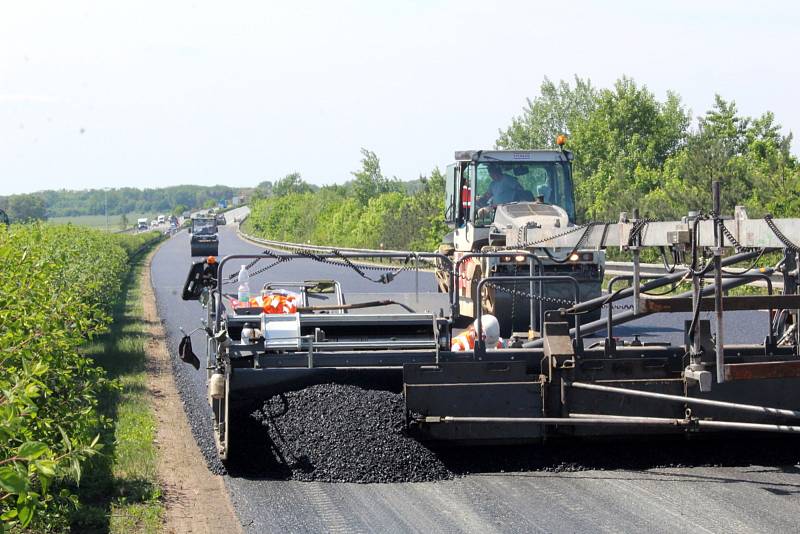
[{"x": 119, "y": 491}]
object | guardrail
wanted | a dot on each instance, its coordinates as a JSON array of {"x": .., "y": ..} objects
[
  {"x": 617, "y": 268},
  {"x": 318, "y": 248},
  {"x": 613, "y": 268}
]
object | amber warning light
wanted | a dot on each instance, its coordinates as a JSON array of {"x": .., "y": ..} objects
[{"x": 561, "y": 140}]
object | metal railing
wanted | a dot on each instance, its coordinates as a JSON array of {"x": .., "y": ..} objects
[{"x": 612, "y": 268}]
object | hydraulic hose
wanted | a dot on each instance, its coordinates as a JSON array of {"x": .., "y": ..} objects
[
  {"x": 628, "y": 316},
  {"x": 590, "y": 305}
]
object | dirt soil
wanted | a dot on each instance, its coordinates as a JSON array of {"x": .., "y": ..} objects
[{"x": 196, "y": 501}]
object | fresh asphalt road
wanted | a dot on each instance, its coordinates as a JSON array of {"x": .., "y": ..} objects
[{"x": 741, "y": 498}]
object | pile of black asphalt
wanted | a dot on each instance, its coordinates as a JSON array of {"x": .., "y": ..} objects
[{"x": 342, "y": 433}]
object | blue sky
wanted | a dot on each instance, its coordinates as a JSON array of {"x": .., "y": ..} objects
[{"x": 149, "y": 94}]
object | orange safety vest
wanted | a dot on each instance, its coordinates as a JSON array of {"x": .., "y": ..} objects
[
  {"x": 466, "y": 341},
  {"x": 282, "y": 302}
]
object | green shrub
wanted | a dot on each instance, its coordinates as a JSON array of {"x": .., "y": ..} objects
[
  {"x": 57, "y": 287},
  {"x": 337, "y": 216}
]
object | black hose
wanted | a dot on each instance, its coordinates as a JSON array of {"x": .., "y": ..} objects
[{"x": 625, "y": 292}]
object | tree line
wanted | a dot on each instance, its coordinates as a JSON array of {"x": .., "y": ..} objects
[
  {"x": 369, "y": 211},
  {"x": 120, "y": 201},
  {"x": 631, "y": 150}
]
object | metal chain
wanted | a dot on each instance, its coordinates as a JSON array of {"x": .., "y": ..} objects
[
  {"x": 636, "y": 230},
  {"x": 233, "y": 277},
  {"x": 534, "y": 296},
  {"x": 551, "y": 300},
  {"x": 781, "y": 237},
  {"x": 729, "y": 236},
  {"x": 385, "y": 278},
  {"x": 257, "y": 272},
  {"x": 246, "y": 267},
  {"x": 574, "y": 229},
  {"x": 514, "y": 301},
  {"x": 543, "y": 298}
]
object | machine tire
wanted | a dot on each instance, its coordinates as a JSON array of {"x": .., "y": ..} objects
[
  {"x": 205, "y": 249},
  {"x": 499, "y": 304}
]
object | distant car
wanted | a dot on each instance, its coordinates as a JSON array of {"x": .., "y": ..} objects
[{"x": 221, "y": 221}]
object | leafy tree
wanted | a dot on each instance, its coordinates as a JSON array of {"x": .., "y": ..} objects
[
  {"x": 369, "y": 180},
  {"x": 262, "y": 190},
  {"x": 28, "y": 207},
  {"x": 427, "y": 209},
  {"x": 123, "y": 222},
  {"x": 289, "y": 184},
  {"x": 558, "y": 109},
  {"x": 749, "y": 156},
  {"x": 628, "y": 135},
  {"x": 334, "y": 215},
  {"x": 179, "y": 209},
  {"x": 210, "y": 203}
]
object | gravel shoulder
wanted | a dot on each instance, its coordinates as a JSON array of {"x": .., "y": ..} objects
[{"x": 196, "y": 500}]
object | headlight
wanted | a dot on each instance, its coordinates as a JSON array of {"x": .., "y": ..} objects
[{"x": 574, "y": 256}]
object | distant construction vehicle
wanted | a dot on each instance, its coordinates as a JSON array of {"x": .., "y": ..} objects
[
  {"x": 504, "y": 203},
  {"x": 205, "y": 240}
]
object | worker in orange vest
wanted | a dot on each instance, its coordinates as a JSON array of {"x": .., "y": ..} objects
[{"x": 491, "y": 335}]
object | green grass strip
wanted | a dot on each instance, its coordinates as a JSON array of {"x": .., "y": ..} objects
[{"x": 119, "y": 491}]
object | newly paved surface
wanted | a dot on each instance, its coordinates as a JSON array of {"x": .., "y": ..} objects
[{"x": 740, "y": 498}]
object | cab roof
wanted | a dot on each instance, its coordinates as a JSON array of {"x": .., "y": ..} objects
[{"x": 486, "y": 156}]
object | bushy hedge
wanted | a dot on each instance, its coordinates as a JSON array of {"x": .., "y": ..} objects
[
  {"x": 58, "y": 285},
  {"x": 336, "y": 216}
]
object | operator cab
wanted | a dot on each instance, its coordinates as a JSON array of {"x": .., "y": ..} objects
[
  {"x": 204, "y": 226},
  {"x": 536, "y": 182},
  {"x": 487, "y": 179},
  {"x": 547, "y": 182}
]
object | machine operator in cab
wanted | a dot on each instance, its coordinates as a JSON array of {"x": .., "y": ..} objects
[{"x": 502, "y": 189}]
